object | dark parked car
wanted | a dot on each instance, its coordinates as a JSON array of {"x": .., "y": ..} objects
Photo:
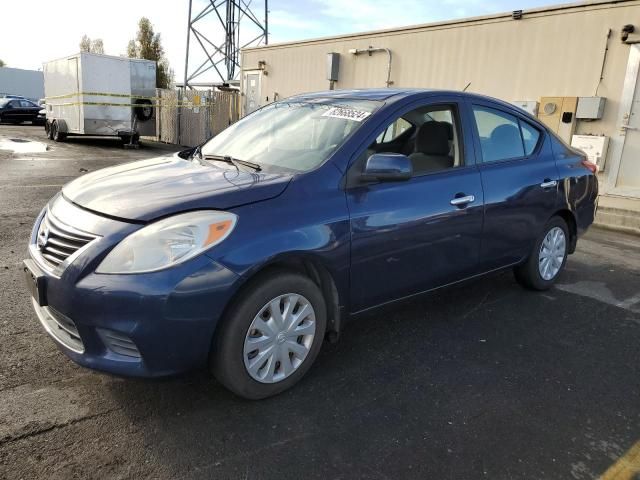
[
  {"x": 16, "y": 111},
  {"x": 245, "y": 253}
]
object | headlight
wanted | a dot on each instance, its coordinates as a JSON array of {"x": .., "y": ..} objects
[{"x": 169, "y": 242}]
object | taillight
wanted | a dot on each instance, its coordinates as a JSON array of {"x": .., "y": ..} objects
[{"x": 590, "y": 165}]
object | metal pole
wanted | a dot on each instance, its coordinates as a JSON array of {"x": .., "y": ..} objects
[
  {"x": 186, "y": 58},
  {"x": 266, "y": 22}
]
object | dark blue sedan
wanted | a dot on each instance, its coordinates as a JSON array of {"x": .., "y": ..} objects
[{"x": 245, "y": 253}]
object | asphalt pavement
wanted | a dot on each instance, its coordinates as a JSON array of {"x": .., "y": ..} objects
[{"x": 483, "y": 380}]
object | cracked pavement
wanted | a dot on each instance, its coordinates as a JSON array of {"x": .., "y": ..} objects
[{"x": 483, "y": 380}]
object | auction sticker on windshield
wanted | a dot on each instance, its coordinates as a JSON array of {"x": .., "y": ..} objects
[{"x": 346, "y": 113}]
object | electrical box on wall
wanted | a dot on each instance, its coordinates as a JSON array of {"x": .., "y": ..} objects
[
  {"x": 529, "y": 106},
  {"x": 594, "y": 146},
  {"x": 333, "y": 66},
  {"x": 559, "y": 114},
  {"x": 590, "y": 108}
]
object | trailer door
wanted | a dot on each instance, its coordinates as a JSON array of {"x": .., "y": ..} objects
[{"x": 73, "y": 114}]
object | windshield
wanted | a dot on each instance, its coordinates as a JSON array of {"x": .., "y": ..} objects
[{"x": 296, "y": 136}]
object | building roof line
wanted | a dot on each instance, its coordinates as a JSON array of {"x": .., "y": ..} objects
[{"x": 553, "y": 9}]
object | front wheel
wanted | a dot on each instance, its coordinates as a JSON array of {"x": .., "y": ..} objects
[
  {"x": 270, "y": 336},
  {"x": 548, "y": 257}
]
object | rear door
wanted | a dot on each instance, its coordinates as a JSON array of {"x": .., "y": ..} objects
[
  {"x": 29, "y": 110},
  {"x": 415, "y": 235},
  {"x": 519, "y": 178}
]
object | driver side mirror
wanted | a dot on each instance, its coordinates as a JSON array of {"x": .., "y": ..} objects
[{"x": 387, "y": 167}]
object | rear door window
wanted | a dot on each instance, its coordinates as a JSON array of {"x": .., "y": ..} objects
[
  {"x": 499, "y": 132},
  {"x": 530, "y": 137}
]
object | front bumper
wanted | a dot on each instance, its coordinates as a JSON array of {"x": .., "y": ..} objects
[
  {"x": 138, "y": 325},
  {"x": 146, "y": 325}
]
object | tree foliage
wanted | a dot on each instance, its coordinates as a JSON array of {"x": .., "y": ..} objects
[
  {"x": 97, "y": 46},
  {"x": 91, "y": 46},
  {"x": 148, "y": 45},
  {"x": 2, "y": 64}
]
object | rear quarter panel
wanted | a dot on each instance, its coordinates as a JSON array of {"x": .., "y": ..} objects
[{"x": 578, "y": 186}]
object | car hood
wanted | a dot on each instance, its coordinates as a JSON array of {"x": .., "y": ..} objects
[{"x": 148, "y": 189}]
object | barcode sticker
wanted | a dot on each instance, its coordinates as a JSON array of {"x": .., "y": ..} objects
[{"x": 346, "y": 113}]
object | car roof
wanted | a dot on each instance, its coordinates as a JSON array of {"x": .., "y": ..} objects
[{"x": 394, "y": 94}]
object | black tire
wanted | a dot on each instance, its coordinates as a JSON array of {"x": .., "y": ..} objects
[
  {"x": 47, "y": 129},
  {"x": 144, "y": 110},
  {"x": 56, "y": 134},
  {"x": 528, "y": 274},
  {"x": 126, "y": 139},
  {"x": 227, "y": 361}
]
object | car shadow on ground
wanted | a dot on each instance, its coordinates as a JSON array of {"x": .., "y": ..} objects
[{"x": 480, "y": 377}]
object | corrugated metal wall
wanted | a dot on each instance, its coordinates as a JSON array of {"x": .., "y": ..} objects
[
  {"x": 547, "y": 53},
  {"x": 16, "y": 81}
]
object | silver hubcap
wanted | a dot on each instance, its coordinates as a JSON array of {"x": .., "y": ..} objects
[
  {"x": 552, "y": 252},
  {"x": 279, "y": 338}
]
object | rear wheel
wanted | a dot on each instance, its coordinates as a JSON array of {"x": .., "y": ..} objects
[
  {"x": 270, "y": 336},
  {"x": 127, "y": 139},
  {"x": 56, "y": 134},
  {"x": 548, "y": 257}
]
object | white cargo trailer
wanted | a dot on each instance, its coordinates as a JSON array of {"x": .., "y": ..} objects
[{"x": 91, "y": 94}]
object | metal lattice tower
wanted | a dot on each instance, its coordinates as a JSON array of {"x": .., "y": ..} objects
[{"x": 216, "y": 30}]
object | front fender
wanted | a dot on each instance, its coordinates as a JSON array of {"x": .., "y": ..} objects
[{"x": 300, "y": 224}]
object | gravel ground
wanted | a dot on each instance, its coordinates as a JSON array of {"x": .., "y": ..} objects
[{"x": 484, "y": 380}]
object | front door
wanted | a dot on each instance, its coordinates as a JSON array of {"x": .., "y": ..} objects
[
  {"x": 14, "y": 112},
  {"x": 251, "y": 92},
  {"x": 411, "y": 236},
  {"x": 629, "y": 173}
]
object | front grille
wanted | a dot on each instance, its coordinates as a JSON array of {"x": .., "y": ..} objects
[
  {"x": 60, "y": 327},
  {"x": 56, "y": 241}
]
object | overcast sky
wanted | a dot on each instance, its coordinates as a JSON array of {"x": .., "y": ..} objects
[{"x": 42, "y": 30}]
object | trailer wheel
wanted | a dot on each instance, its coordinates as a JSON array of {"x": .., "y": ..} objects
[
  {"x": 144, "y": 110},
  {"x": 47, "y": 129},
  {"x": 56, "y": 134},
  {"x": 126, "y": 139}
]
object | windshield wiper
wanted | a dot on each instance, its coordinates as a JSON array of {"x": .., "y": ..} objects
[{"x": 234, "y": 161}]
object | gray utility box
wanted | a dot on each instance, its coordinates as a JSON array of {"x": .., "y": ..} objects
[
  {"x": 590, "y": 108},
  {"x": 91, "y": 94},
  {"x": 333, "y": 66}
]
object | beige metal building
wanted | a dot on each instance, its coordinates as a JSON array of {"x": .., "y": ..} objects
[{"x": 543, "y": 59}]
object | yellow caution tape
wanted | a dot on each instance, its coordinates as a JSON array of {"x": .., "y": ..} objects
[
  {"x": 159, "y": 102},
  {"x": 100, "y": 94},
  {"x": 142, "y": 105}
]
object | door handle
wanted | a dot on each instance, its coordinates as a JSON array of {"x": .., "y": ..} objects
[
  {"x": 628, "y": 127},
  {"x": 549, "y": 183},
  {"x": 462, "y": 201}
]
